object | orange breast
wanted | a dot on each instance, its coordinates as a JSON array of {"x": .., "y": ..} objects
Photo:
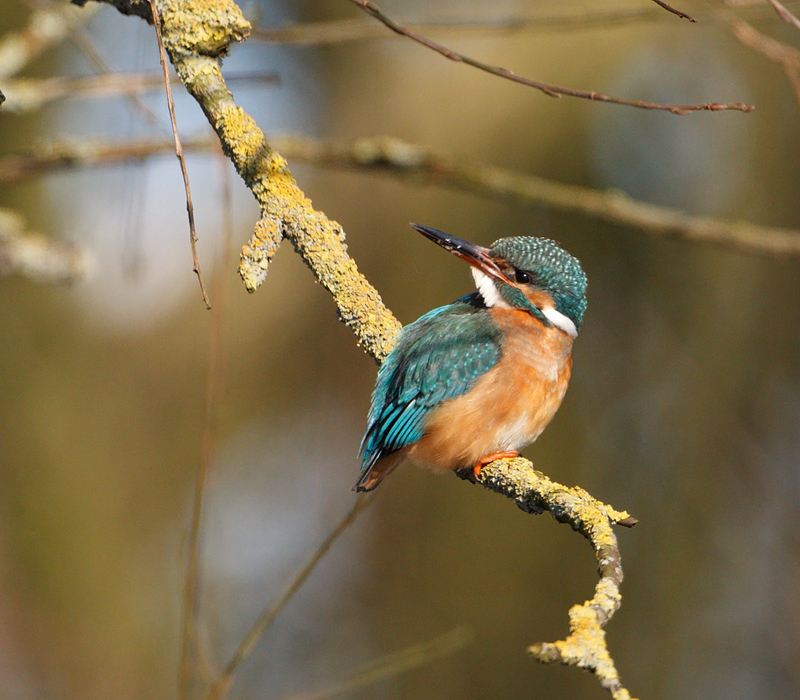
[{"x": 509, "y": 406}]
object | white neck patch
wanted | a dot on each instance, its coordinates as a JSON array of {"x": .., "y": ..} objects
[
  {"x": 486, "y": 288},
  {"x": 561, "y": 321}
]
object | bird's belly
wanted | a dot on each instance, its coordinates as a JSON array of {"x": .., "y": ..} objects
[{"x": 507, "y": 409}]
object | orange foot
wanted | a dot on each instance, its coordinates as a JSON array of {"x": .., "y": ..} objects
[{"x": 483, "y": 461}]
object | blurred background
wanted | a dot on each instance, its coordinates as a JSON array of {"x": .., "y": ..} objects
[{"x": 683, "y": 408}]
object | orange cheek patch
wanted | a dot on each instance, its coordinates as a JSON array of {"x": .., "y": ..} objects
[{"x": 538, "y": 298}]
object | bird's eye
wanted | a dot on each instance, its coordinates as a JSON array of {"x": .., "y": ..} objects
[{"x": 523, "y": 277}]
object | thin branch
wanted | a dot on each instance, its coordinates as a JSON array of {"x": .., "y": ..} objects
[
  {"x": 45, "y": 27},
  {"x": 421, "y": 166},
  {"x": 86, "y": 46},
  {"x": 775, "y": 50},
  {"x": 46, "y": 157},
  {"x": 267, "y": 617},
  {"x": 215, "y": 386},
  {"x": 26, "y": 95},
  {"x": 179, "y": 152},
  {"x": 83, "y": 42},
  {"x": 35, "y": 256},
  {"x": 393, "y": 665},
  {"x": 547, "y": 88},
  {"x": 787, "y": 56},
  {"x": 671, "y": 9},
  {"x": 344, "y": 30},
  {"x": 784, "y": 14}
]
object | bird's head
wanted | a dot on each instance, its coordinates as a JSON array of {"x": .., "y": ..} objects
[{"x": 535, "y": 275}]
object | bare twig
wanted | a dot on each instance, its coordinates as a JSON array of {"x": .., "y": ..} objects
[
  {"x": 422, "y": 166},
  {"x": 35, "y": 256},
  {"x": 86, "y": 46},
  {"x": 787, "y": 56},
  {"x": 671, "y": 9},
  {"x": 179, "y": 152},
  {"x": 547, "y": 88},
  {"x": 773, "y": 49},
  {"x": 46, "y": 157},
  {"x": 784, "y": 14},
  {"x": 343, "y": 30},
  {"x": 267, "y": 617},
  {"x": 208, "y": 453},
  {"x": 393, "y": 665},
  {"x": 44, "y": 28},
  {"x": 83, "y": 42},
  {"x": 25, "y": 95}
]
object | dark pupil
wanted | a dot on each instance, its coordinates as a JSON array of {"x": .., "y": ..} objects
[{"x": 523, "y": 277}]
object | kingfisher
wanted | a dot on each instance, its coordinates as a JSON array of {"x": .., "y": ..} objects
[{"x": 480, "y": 378}]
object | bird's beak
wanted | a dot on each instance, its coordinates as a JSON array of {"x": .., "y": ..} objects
[{"x": 475, "y": 255}]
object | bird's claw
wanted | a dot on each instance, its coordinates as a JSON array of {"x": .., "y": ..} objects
[{"x": 488, "y": 459}]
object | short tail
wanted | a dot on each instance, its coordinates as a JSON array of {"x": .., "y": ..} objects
[{"x": 378, "y": 471}]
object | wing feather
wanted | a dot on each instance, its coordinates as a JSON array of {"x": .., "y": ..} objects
[{"x": 438, "y": 357}]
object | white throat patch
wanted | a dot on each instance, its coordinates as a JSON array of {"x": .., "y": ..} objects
[{"x": 486, "y": 288}]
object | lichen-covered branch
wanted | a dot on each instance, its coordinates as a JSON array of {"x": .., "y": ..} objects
[
  {"x": 533, "y": 492},
  {"x": 195, "y": 35},
  {"x": 35, "y": 256}
]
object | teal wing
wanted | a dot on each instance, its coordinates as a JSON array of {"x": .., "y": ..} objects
[{"x": 438, "y": 357}]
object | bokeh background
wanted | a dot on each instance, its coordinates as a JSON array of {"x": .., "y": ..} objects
[{"x": 684, "y": 405}]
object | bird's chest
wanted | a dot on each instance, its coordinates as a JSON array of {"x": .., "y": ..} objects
[
  {"x": 527, "y": 386},
  {"x": 509, "y": 406}
]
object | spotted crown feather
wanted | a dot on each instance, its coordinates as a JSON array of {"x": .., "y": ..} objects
[{"x": 551, "y": 268}]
